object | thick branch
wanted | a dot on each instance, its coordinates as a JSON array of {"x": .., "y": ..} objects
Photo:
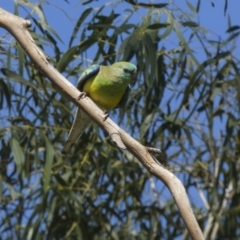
[{"x": 18, "y": 28}]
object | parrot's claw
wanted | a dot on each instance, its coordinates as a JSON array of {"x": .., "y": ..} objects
[
  {"x": 105, "y": 115},
  {"x": 82, "y": 95}
]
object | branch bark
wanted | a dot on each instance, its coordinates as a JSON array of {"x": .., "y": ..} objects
[{"x": 18, "y": 28}]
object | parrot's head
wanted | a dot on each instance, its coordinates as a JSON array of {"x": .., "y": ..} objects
[{"x": 127, "y": 70}]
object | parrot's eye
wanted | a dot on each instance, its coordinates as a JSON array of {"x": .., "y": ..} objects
[{"x": 126, "y": 70}]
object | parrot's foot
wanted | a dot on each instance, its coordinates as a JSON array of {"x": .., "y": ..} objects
[
  {"x": 82, "y": 95},
  {"x": 105, "y": 115}
]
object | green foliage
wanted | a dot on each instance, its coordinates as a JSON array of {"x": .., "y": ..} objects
[{"x": 186, "y": 101}]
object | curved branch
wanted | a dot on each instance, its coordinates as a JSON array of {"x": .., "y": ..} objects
[{"x": 18, "y": 28}]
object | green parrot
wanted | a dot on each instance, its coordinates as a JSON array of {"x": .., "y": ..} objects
[{"x": 108, "y": 87}]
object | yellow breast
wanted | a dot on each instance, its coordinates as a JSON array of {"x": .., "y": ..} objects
[{"x": 106, "y": 97}]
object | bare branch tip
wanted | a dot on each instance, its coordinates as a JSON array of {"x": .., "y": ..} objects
[
  {"x": 115, "y": 137},
  {"x": 28, "y": 23},
  {"x": 154, "y": 150}
]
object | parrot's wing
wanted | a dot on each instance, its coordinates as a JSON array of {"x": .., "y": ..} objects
[
  {"x": 89, "y": 72},
  {"x": 81, "y": 122},
  {"x": 124, "y": 99}
]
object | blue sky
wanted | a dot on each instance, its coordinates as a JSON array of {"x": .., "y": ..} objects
[
  {"x": 65, "y": 16},
  {"x": 212, "y": 18}
]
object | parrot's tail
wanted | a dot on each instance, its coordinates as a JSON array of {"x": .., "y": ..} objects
[{"x": 81, "y": 122}]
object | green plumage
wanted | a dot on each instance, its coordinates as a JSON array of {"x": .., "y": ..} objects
[{"x": 108, "y": 87}]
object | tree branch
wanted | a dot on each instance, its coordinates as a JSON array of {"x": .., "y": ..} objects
[{"x": 18, "y": 28}]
